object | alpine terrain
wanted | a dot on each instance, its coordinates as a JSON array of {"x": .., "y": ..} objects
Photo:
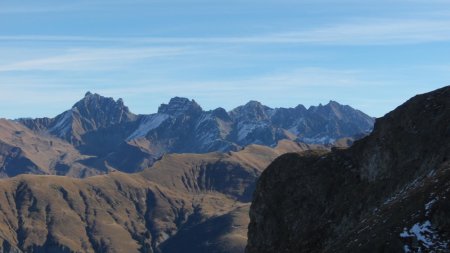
[
  {"x": 389, "y": 192},
  {"x": 183, "y": 203},
  {"x": 100, "y": 134},
  {"x": 98, "y": 178}
]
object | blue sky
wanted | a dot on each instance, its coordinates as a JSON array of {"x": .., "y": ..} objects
[{"x": 372, "y": 55}]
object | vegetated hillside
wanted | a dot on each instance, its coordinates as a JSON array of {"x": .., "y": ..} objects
[
  {"x": 104, "y": 135},
  {"x": 23, "y": 151},
  {"x": 184, "y": 203},
  {"x": 389, "y": 192}
]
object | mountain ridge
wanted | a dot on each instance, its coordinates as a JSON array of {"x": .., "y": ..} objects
[
  {"x": 149, "y": 211},
  {"x": 114, "y": 138},
  {"x": 177, "y": 106}
]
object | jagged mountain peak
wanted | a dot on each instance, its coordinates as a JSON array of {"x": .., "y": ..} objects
[
  {"x": 336, "y": 106},
  {"x": 92, "y": 99},
  {"x": 300, "y": 107},
  {"x": 252, "y": 110},
  {"x": 180, "y": 105},
  {"x": 221, "y": 113},
  {"x": 97, "y": 107},
  {"x": 253, "y": 103},
  {"x": 337, "y": 110},
  {"x": 89, "y": 114},
  {"x": 330, "y": 104},
  {"x": 333, "y": 103},
  {"x": 181, "y": 125}
]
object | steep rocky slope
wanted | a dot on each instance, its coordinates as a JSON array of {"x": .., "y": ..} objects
[
  {"x": 107, "y": 136},
  {"x": 23, "y": 151},
  {"x": 161, "y": 209},
  {"x": 389, "y": 192},
  {"x": 92, "y": 114},
  {"x": 182, "y": 126}
]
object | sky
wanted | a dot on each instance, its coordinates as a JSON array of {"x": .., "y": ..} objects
[{"x": 372, "y": 55}]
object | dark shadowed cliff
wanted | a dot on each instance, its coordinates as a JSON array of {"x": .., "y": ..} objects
[{"x": 389, "y": 192}]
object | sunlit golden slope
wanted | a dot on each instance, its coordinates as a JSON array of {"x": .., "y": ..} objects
[{"x": 182, "y": 194}]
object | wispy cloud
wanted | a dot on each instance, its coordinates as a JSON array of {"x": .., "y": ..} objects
[
  {"x": 267, "y": 84},
  {"x": 32, "y": 8},
  {"x": 377, "y": 32},
  {"x": 308, "y": 86},
  {"x": 276, "y": 87},
  {"x": 92, "y": 58},
  {"x": 57, "y": 6},
  {"x": 356, "y": 32},
  {"x": 14, "y": 7}
]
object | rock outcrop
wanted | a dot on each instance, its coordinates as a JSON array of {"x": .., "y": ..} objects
[
  {"x": 113, "y": 138},
  {"x": 389, "y": 192}
]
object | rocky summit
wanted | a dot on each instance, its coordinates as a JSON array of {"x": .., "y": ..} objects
[
  {"x": 100, "y": 134},
  {"x": 389, "y": 192}
]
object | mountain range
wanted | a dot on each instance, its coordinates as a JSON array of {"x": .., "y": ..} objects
[
  {"x": 196, "y": 172},
  {"x": 100, "y": 134},
  {"x": 195, "y": 181}
]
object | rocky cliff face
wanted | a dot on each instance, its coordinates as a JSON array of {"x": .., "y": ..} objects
[
  {"x": 87, "y": 123},
  {"x": 182, "y": 126},
  {"x": 389, "y": 192},
  {"x": 113, "y": 138}
]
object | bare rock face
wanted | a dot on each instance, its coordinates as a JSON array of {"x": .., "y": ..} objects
[
  {"x": 389, "y": 192},
  {"x": 178, "y": 106},
  {"x": 92, "y": 113},
  {"x": 113, "y": 138}
]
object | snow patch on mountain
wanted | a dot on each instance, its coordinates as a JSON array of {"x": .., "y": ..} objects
[
  {"x": 426, "y": 236},
  {"x": 429, "y": 205},
  {"x": 207, "y": 138},
  {"x": 204, "y": 118},
  {"x": 247, "y": 128},
  {"x": 149, "y": 123},
  {"x": 63, "y": 125},
  {"x": 318, "y": 140}
]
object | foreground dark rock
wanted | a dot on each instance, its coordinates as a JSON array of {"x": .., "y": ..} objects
[{"x": 389, "y": 192}]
